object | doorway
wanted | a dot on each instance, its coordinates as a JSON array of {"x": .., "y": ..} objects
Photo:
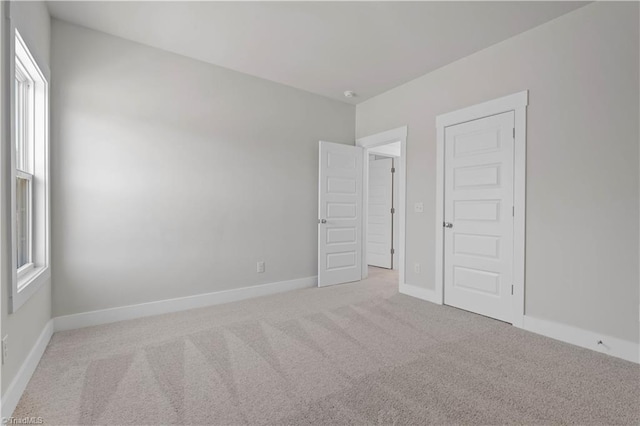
[
  {"x": 382, "y": 205},
  {"x": 478, "y": 227},
  {"x": 384, "y": 169},
  {"x": 480, "y": 208}
]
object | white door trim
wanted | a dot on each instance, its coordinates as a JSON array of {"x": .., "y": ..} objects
[
  {"x": 517, "y": 103},
  {"x": 394, "y": 135}
]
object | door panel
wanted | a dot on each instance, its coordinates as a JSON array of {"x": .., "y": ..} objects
[
  {"x": 478, "y": 248},
  {"x": 340, "y": 214},
  {"x": 379, "y": 217}
]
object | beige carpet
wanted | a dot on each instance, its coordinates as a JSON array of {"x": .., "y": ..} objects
[{"x": 351, "y": 354}]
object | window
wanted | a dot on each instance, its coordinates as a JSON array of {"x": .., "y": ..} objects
[
  {"x": 30, "y": 173},
  {"x": 24, "y": 101}
]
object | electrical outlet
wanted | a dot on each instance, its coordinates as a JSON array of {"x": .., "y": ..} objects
[
  {"x": 260, "y": 267},
  {"x": 416, "y": 268},
  {"x": 5, "y": 348},
  {"x": 418, "y": 207}
]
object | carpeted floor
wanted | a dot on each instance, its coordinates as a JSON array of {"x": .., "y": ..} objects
[{"x": 351, "y": 354}]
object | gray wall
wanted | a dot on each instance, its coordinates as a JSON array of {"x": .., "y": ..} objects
[
  {"x": 582, "y": 154},
  {"x": 172, "y": 177},
  {"x": 25, "y": 325}
]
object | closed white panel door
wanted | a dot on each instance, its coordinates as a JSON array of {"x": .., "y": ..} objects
[
  {"x": 379, "y": 216},
  {"x": 340, "y": 214},
  {"x": 478, "y": 214}
]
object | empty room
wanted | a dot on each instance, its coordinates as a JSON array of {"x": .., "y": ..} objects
[{"x": 320, "y": 213}]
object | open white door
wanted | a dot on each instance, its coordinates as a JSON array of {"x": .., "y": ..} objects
[
  {"x": 339, "y": 214},
  {"x": 379, "y": 213}
]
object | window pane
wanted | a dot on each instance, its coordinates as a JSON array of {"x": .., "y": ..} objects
[
  {"x": 19, "y": 108},
  {"x": 23, "y": 190},
  {"x": 23, "y": 101},
  {"x": 21, "y": 124}
]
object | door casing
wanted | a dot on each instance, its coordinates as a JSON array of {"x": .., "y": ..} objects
[
  {"x": 517, "y": 103},
  {"x": 390, "y": 136}
]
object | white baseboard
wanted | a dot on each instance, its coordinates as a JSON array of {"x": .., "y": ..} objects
[
  {"x": 419, "y": 292},
  {"x": 613, "y": 346},
  {"x": 19, "y": 384},
  {"x": 105, "y": 316}
]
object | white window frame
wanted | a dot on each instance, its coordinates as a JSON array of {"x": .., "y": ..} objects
[
  {"x": 25, "y": 98},
  {"x": 34, "y": 167}
]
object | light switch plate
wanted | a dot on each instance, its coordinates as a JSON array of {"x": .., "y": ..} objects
[{"x": 418, "y": 208}]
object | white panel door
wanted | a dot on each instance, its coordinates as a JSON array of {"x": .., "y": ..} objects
[
  {"x": 379, "y": 216},
  {"x": 340, "y": 214},
  {"x": 478, "y": 215}
]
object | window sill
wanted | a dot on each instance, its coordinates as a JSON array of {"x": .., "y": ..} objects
[
  {"x": 24, "y": 272},
  {"x": 28, "y": 284}
]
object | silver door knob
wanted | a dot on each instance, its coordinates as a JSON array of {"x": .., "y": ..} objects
[
  {"x": 322, "y": 220},
  {"x": 448, "y": 225}
]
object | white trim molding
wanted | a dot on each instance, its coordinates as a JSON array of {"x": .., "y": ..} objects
[
  {"x": 86, "y": 319},
  {"x": 612, "y": 346},
  {"x": 398, "y": 134},
  {"x": 587, "y": 339},
  {"x": 383, "y": 138},
  {"x": 106, "y": 316},
  {"x": 518, "y": 104},
  {"x": 598, "y": 342},
  {"x": 419, "y": 293},
  {"x": 485, "y": 109},
  {"x": 21, "y": 380}
]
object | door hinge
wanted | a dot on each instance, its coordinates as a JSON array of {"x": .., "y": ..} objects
[
  {"x": 393, "y": 210},
  {"x": 514, "y": 132},
  {"x": 393, "y": 170},
  {"x": 393, "y": 251},
  {"x": 513, "y": 211},
  {"x": 512, "y": 289}
]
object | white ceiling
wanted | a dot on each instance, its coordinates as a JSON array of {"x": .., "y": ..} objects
[{"x": 322, "y": 47}]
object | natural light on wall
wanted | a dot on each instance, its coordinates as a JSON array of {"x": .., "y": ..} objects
[{"x": 30, "y": 198}]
